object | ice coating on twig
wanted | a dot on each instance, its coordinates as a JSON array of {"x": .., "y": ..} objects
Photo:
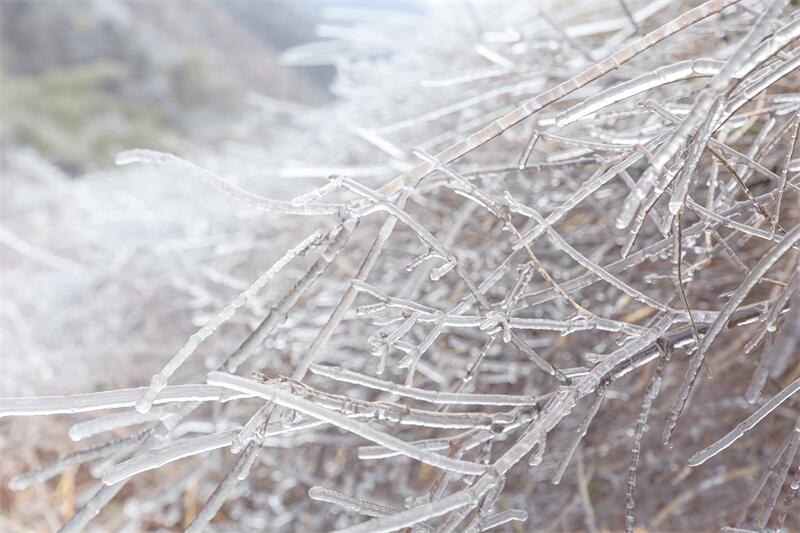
[
  {"x": 681, "y": 70},
  {"x": 292, "y": 402},
  {"x": 159, "y": 381},
  {"x": 90, "y": 428},
  {"x": 206, "y": 176},
  {"x": 161, "y": 456},
  {"x": 349, "y": 376},
  {"x": 350, "y": 503},
  {"x": 96, "y": 401},
  {"x": 641, "y": 426},
  {"x": 737, "y": 432}
]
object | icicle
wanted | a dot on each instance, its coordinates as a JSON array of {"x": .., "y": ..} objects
[
  {"x": 526, "y": 153},
  {"x": 786, "y": 343},
  {"x": 700, "y": 112},
  {"x": 538, "y": 454},
  {"x": 762, "y": 481}
]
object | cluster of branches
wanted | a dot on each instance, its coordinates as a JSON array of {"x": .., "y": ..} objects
[{"x": 523, "y": 291}]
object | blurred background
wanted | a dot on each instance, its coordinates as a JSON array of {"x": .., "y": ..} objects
[{"x": 85, "y": 79}]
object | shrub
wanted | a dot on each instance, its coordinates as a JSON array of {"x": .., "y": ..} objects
[{"x": 486, "y": 338}]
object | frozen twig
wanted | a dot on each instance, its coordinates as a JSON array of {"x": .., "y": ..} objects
[
  {"x": 742, "y": 428},
  {"x": 208, "y": 177}
]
